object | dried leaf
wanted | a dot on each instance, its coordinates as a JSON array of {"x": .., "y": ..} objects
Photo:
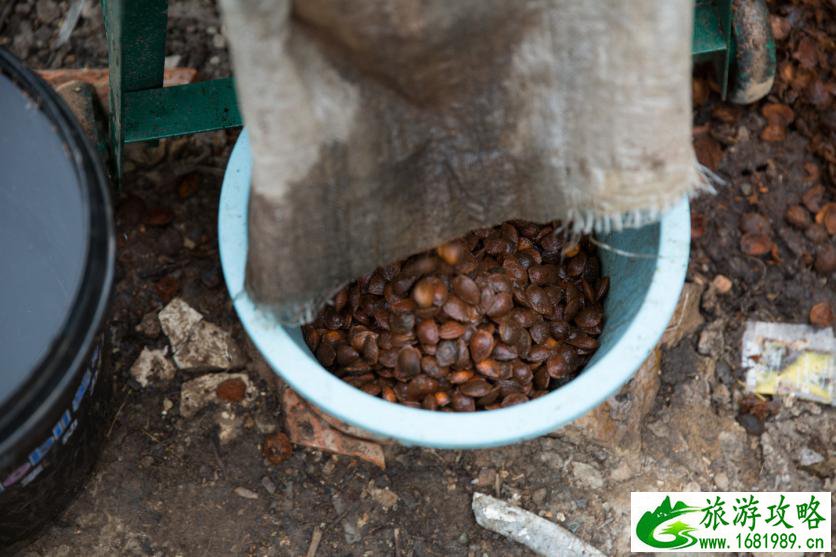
[
  {"x": 709, "y": 152},
  {"x": 306, "y": 428}
]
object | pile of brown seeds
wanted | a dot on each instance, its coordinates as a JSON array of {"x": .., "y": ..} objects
[{"x": 499, "y": 317}]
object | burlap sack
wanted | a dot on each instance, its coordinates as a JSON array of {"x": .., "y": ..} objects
[{"x": 383, "y": 127}]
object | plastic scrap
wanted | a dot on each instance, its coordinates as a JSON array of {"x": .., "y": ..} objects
[{"x": 796, "y": 360}]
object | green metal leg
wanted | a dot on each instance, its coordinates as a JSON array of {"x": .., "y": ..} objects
[{"x": 136, "y": 57}]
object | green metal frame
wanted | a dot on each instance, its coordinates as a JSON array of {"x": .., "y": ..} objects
[
  {"x": 141, "y": 109},
  {"x": 712, "y": 39}
]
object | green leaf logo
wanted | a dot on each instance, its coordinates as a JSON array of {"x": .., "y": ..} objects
[{"x": 681, "y": 532}]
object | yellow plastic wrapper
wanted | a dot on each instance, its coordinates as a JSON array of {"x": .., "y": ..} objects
[{"x": 790, "y": 360}]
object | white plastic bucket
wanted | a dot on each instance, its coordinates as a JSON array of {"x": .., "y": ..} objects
[{"x": 642, "y": 297}]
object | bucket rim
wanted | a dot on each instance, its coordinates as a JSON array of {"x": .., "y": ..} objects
[
  {"x": 51, "y": 380},
  {"x": 444, "y": 430}
]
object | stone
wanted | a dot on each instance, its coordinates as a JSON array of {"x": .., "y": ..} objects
[
  {"x": 587, "y": 475},
  {"x": 202, "y": 391},
  {"x": 229, "y": 426},
  {"x": 384, "y": 497},
  {"x": 150, "y": 325},
  {"x": 686, "y": 317},
  {"x": 722, "y": 284},
  {"x": 177, "y": 320},
  {"x": 151, "y": 366},
  {"x": 809, "y": 457},
  {"x": 197, "y": 343},
  {"x": 245, "y": 493},
  {"x": 711, "y": 339}
]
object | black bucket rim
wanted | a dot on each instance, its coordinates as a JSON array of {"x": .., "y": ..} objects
[{"x": 68, "y": 353}]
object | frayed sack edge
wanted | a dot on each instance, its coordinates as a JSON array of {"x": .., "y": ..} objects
[{"x": 582, "y": 222}]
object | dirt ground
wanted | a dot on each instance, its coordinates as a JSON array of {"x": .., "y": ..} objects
[{"x": 166, "y": 485}]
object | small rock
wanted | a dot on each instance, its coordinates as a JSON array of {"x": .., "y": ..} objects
[
  {"x": 722, "y": 284},
  {"x": 746, "y": 189},
  {"x": 539, "y": 496},
  {"x": 809, "y": 457},
  {"x": 751, "y": 424},
  {"x": 464, "y": 539},
  {"x": 485, "y": 478},
  {"x": 276, "y": 448},
  {"x": 177, "y": 320},
  {"x": 245, "y": 493},
  {"x": 722, "y": 481},
  {"x": 152, "y": 365},
  {"x": 167, "y": 405},
  {"x": 150, "y": 325},
  {"x": 197, "y": 344},
  {"x": 711, "y": 339},
  {"x": 821, "y": 315},
  {"x": 268, "y": 485},
  {"x": 202, "y": 391},
  {"x": 229, "y": 426},
  {"x": 587, "y": 474},
  {"x": 384, "y": 497},
  {"x": 265, "y": 423},
  {"x": 621, "y": 472}
]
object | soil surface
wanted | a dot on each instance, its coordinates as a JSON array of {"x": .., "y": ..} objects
[{"x": 167, "y": 485}]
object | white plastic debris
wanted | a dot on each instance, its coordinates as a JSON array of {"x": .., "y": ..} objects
[
  {"x": 152, "y": 365},
  {"x": 538, "y": 534},
  {"x": 790, "y": 360},
  {"x": 197, "y": 344}
]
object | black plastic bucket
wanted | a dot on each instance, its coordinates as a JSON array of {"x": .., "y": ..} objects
[{"x": 57, "y": 254}]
